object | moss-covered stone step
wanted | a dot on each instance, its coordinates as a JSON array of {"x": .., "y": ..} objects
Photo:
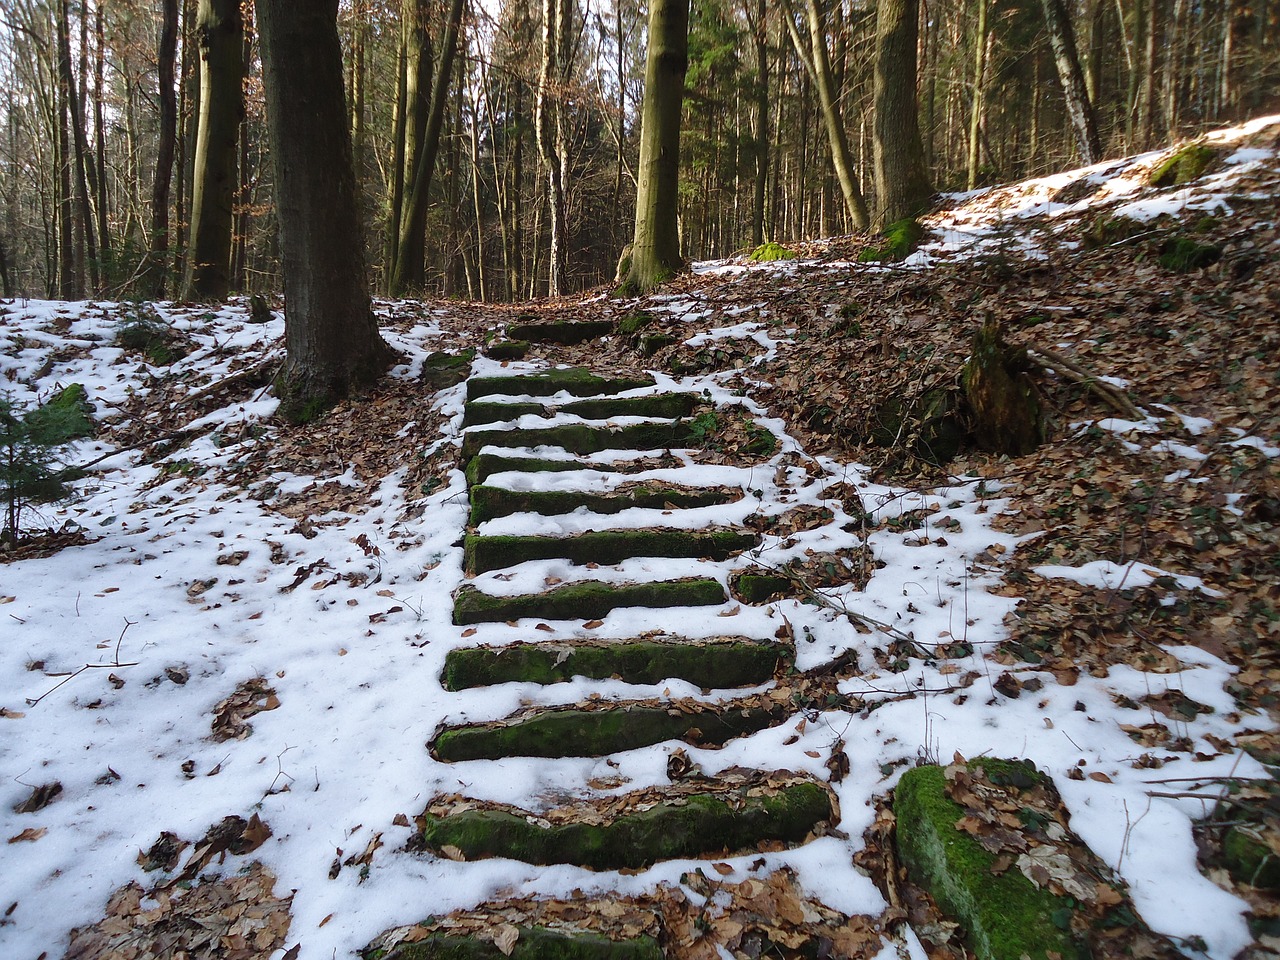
[
  {"x": 605, "y": 729},
  {"x": 697, "y": 824},
  {"x": 721, "y": 662},
  {"x": 485, "y": 553},
  {"x": 484, "y": 465},
  {"x": 532, "y": 943},
  {"x": 577, "y": 381},
  {"x": 488, "y": 503},
  {"x": 566, "y": 332},
  {"x": 584, "y": 438},
  {"x": 662, "y": 406},
  {"x": 584, "y": 601}
]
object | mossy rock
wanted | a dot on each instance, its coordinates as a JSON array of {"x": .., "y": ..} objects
[
  {"x": 488, "y": 503},
  {"x": 566, "y": 332},
  {"x": 663, "y": 406},
  {"x": 584, "y": 601},
  {"x": 692, "y": 826},
  {"x": 769, "y": 252},
  {"x": 69, "y": 409},
  {"x": 899, "y": 240},
  {"x": 1249, "y": 860},
  {"x": 1182, "y": 166},
  {"x": 569, "y": 732},
  {"x": 930, "y": 425},
  {"x": 1182, "y": 255},
  {"x": 484, "y": 465},
  {"x": 1002, "y": 398},
  {"x": 651, "y": 343},
  {"x": 718, "y": 664},
  {"x": 533, "y": 943},
  {"x": 634, "y": 322},
  {"x": 577, "y": 381},
  {"x": 762, "y": 587},
  {"x": 443, "y": 370},
  {"x": 507, "y": 350},
  {"x": 582, "y": 438},
  {"x": 605, "y": 547},
  {"x": 1106, "y": 230},
  {"x": 1006, "y": 916}
]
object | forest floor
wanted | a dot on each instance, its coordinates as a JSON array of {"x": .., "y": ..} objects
[{"x": 236, "y": 618}]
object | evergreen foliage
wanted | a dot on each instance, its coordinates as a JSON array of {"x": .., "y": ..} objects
[{"x": 30, "y": 443}]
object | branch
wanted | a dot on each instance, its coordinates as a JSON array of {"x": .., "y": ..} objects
[{"x": 1113, "y": 397}]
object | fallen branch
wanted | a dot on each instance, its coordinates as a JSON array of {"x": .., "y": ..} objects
[{"x": 1069, "y": 370}]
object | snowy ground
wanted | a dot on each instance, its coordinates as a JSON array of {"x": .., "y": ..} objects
[{"x": 191, "y": 578}]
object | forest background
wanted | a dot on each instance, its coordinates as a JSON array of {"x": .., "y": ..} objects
[{"x": 526, "y": 118}]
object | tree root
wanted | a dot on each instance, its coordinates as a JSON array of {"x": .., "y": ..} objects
[{"x": 1113, "y": 397}]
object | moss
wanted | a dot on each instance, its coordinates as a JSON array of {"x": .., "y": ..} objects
[
  {"x": 1006, "y": 916},
  {"x": 490, "y": 502},
  {"x": 1249, "y": 860},
  {"x": 762, "y": 587},
  {"x": 1182, "y": 255},
  {"x": 1182, "y": 166},
  {"x": 666, "y": 406},
  {"x": 534, "y": 943},
  {"x": 929, "y": 425},
  {"x": 484, "y": 465},
  {"x": 633, "y": 323},
  {"x": 507, "y": 350},
  {"x": 581, "y": 438},
  {"x": 719, "y": 664},
  {"x": 583, "y": 601},
  {"x": 604, "y": 547},
  {"x": 899, "y": 241},
  {"x": 574, "y": 380},
  {"x": 597, "y": 733},
  {"x": 443, "y": 370},
  {"x": 768, "y": 252},
  {"x": 566, "y": 333},
  {"x": 696, "y": 825},
  {"x": 1106, "y": 230},
  {"x": 651, "y": 343},
  {"x": 1004, "y": 403}
]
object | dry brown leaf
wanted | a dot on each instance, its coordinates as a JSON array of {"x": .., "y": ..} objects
[{"x": 29, "y": 835}]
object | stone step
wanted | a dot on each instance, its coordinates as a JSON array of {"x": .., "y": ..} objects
[
  {"x": 693, "y": 819},
  {"x": 605, "y": 547},
  {"x": 583, "y": 438},
  {"x": 663, "y": 406},
  {"x": 576, "y": 381},
  {"x": 589, "y": 600},
  {"x": 721, "y": 662},
  {"x": 532, "y": 943},
  {"x": 566, "y": 332},
  {"x": 484, "y": 465},
  {"x": 488, "y": 503},
  {"x": 605, "y": 728}
]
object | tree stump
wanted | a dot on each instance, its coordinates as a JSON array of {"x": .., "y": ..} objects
[{"x": 1002, "y": 398}]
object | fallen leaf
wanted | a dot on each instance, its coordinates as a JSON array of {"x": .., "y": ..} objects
[
  {"x": 592, "y": 624},
  {"x": 722, "y": 868},
  {"x": 453, "y": 853},
  {"x": 1100, "y": 777},
  {"x": 29, "y": 835},
  {"x": 506, "y": 937}
]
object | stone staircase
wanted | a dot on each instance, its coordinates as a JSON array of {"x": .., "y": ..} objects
[{"x": 516, "y": 431}]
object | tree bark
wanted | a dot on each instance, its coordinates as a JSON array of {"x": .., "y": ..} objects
[
  {"x": 153, "y": 280},
  {"x": 1063, "y": 41},
  {"x": 979, "y": 92},
  {"x": 655, "y": 249},
  {"x": 902, "y": 181},
  {"x": 331, "y": 337},
  {"x": 220, "y": 31},
  {"x": 550, "y": 130}
]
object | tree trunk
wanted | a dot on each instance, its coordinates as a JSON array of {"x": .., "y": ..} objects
[
  {"x": 655, "y": 250},
  {"x": 763, "y": 107},
  {"x": 551, "y": 135},
  {"x": 979, "y": 92},
  {"x": 6, "y": 284},
  {"x": 331, "y": 337},
  {"x": 412, "y": 108},
  {"x": 220, "y": 31},
  {"x": 1062, "y": 40},
  {"x": 153, "y": 279},
  {"x": 902, "y": 181}
]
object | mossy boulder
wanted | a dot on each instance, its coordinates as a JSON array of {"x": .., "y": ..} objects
[
  {"x": 577, "y": 381},
  {"x": 898, "y": 241},
  {"x": 570, "y": 732},
  {"x": 634, "y": 322},
  {"x": 928, "y": 426},
  {"x": 713, "y": 664},
  {"x": 663, "y": 406},
  {"x": 763, "y": 587},
  {"x": 582, "y": 438},
  {"x": 605, "y": 547},
  {"x": 1007, "y": 917},
  {"x": 564, "y": 332},
  {"x": 490, "y": 502},
  {"x": 1249, "y": 859},
  {"x": 651, "y": 343},
  {"x": 443, "y": 370},
  {"x": 507, "y": 350},
  {"x": 769, "y": 252},
  {"x": 1106, "y": 230},
  {"x": 533, "y": 943},
  {"x": 1182, "y": 166},
  {"x": 1001, "y": 396},
  {"x": 691, "y": 826},
  {"x": 1183, "y": 255},
  {"x": 584, "y": 601}
]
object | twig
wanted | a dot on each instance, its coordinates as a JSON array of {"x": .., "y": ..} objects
[{"x": 1069, "y": 370}]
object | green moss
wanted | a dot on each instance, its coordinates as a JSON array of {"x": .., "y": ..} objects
[
  {"x": 1106, "y": 230},
  {"x": 581, "y": 438},
  {"x": 633, "y": 323},
  {"x": 762, "y": 587},
  {"x": 583, "y": 601},
  {"x": 443, "y": 370},
  {"x": 574, "y": 380},
  {"x": 507, "y": 349},
  {"x": 604, "y": 547},
  {"x": 534, "y": 943},
  {"x": 1249, "y": 860},
  {"x": 1006, "y": 916},
  {"x": 1182, "y": 255},
  {"x": 1003, "y": 400},
  {"x": 899, "y": 241},
  {"x": 667, "y": 406},
  {"x": 929, "y": 426},
  {"x": 484, "y": 465},
  {"x": 693, "y": 826},
  {"x": 768, "y": 252},
  {"x": 651, "y": 343},
  {"x": 597, "y": 733},
  {"x": 490, "y": 502},
  {"x": 566, "y": 333},
  {"x": 1182, "y": 166},
  {"x": 720, "y": 664}
]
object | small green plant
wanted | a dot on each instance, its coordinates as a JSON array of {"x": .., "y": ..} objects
[
  {"x": 768, "y": 252},
  {"x": 30, "y": 443},
  {"x": 140, "y": 328}
]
